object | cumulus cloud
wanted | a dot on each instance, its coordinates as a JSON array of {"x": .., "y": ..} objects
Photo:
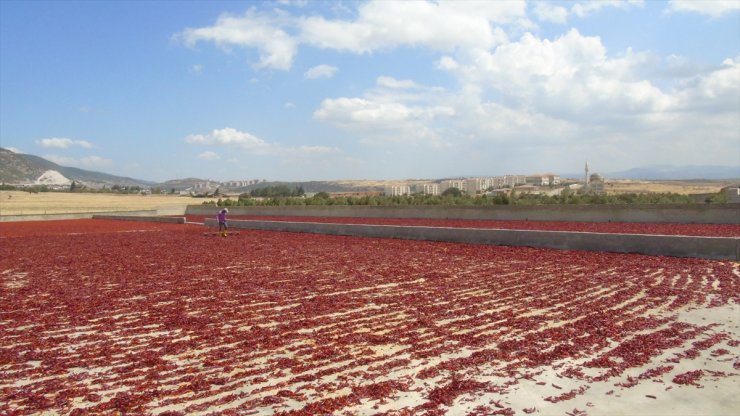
[
  {"x": 379, "y": 25},
  {"x": 253, "y": 29},
  {"x": 510, "y": 88},
  {"x": 549, "y": 12},
  {"x": 717, "y": 90},
  {"x": 63, "y": 143},
  {"x": 321, "y": 71},
  {"x": 208, "y": 155},
  {"x": 569, "y": 77},
  {"x": 585, "y": 8},
  {"x": 391, "y": 82},
  {"x": 231, "y": 137},
  {"x": 444, "y": 25},
  {"x": 713, "y": 8},
  {"x": 390, "y": 112},
  {"x": 561, "y": 96}
]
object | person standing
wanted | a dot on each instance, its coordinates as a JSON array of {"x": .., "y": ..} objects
[{"x": 223, "y": 228}]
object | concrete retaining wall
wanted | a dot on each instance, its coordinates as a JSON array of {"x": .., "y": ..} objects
[
  {"x": 721, "y": 248},
  {"x": 685, "y": 213},
  {"x": 167, "y": 220},
  {"x": 72, "y": 215}
]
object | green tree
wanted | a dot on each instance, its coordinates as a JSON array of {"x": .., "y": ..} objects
[{"x": 452, "y": 192}]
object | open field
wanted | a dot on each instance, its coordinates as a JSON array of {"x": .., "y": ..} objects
[
  {"x": 25, "y": 203},
  {"x": 111, "y": 317},
  {"x": 621, "y": 186}
]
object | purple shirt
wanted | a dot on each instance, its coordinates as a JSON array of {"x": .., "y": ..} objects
[{"x": 221, "y": 216}]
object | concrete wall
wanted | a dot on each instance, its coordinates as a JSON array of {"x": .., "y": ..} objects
[
  {"x": 722, "y": 248},
  {"x": 684, "y": 213},
  {"x": 71, "y": 216},
  {"x": 168, "y": 220}
]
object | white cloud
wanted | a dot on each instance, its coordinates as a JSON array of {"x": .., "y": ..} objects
[
  {"x": 585, "y": 8},
  {"x": 717, "y": 91},
  {"x": 570, "y": 77},
  {"x": 252, "y": 30},
  {"x": 196, "y": 69},
  {"x": 229, "y": 136},
  {"x": 444, "y": 25},
  {"x": 394, "y": 83},
  {"x": 390, "y": 112},
  {"x": 379, "y": 25},
  {"x": 560, "y": 97},
  {"x": 321, "y": 71},
  {"x": 296, "y": 3},
  {"x": 208, "y": 155},
  {"x": 252, "y": 144},
  {"x": 14, "y": 150},
  {"x": 529, "y": 91},
  {"x": 713, "y": 8},
  {"x": 289, "y": 105},
  {"x": 63, "y": 143},
  {"x": 548, "y": 12}
]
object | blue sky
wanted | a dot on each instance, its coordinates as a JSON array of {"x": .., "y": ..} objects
[{"x": 309, "y": 90}]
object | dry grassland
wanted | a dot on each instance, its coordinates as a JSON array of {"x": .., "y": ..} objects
[
  {"x": 24, "y": 203},
  {"x": 621, "y": 186}
]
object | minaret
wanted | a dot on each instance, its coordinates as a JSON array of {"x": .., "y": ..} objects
[{"x": 586, "y": 179}]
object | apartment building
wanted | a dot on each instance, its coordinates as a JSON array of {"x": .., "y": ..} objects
[
  {"x": 475, "y": 186},
  {"x": 510, "y": 181},
  {"x": 538, "y": 180},
  {"x": 452, "y": 183},
  {"x": 396, "y": 190},
  {"x": 240, "y": 183},
  {"x": 426, "y": 189}
]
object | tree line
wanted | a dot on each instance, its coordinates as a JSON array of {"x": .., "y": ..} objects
[{"x": 284, "y": 196}]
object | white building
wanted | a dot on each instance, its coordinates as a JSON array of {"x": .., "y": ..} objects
[
  {"x": 427, "y": 188},
  {"x": 452, "y": 183},
  {"x": 205, "y": 185},
  {"x": 395, "y": 190},
  {"x": 510, "y": 181},
  {"x": 538, "y": 180},
  {"x": 476, "y": 186}
]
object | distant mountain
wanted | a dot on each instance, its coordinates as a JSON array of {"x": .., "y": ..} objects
[
  {"x": 18, "y": 169},
  {"x": 667, "y": 172}
]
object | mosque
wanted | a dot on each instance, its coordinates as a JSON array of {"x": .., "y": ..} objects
[{"x": 593, "y": 184}]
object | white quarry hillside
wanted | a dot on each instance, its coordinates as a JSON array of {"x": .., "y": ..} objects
[{"x": 52, "y": 177}]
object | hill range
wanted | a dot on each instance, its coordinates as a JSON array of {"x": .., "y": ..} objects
[{"x": 25, "y": 169}]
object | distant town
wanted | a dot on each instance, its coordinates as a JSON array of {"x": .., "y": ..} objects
[
  {"x": 35, "y": 174},
  {"x": 546, "y": 183}
]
